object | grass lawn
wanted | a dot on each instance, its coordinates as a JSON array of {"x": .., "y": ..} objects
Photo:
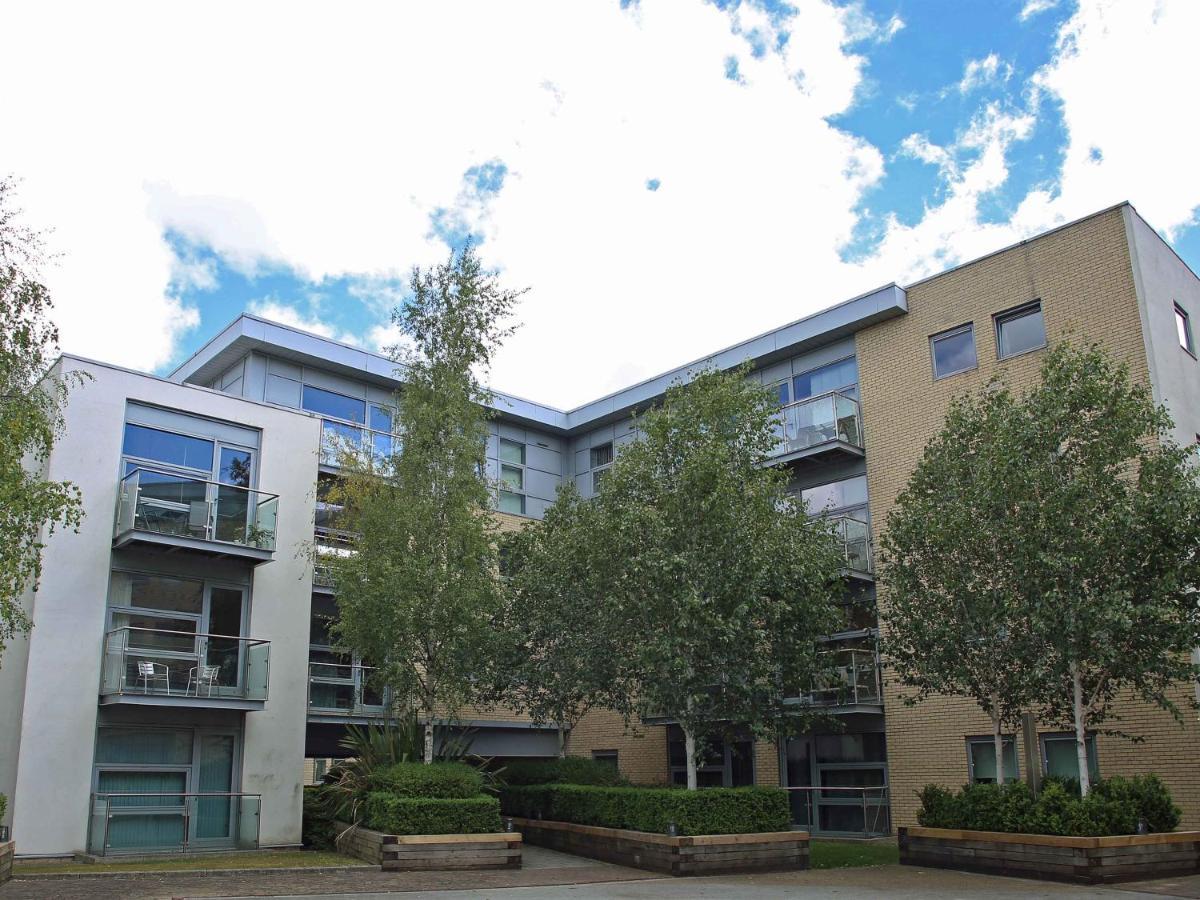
[
  {"x": 281, "y": 859},
  {"x": 847, "y": 854}
]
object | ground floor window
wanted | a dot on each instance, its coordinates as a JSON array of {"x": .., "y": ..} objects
[
  {"x": 1059, "y": 759},
  {"x": 611, "y": 757},
  {"x": 168, "y": 789},
  {"x": 838, "y": 782},
  {"x": 981, "y": 759},
  {"x": 723, "y": 763}
]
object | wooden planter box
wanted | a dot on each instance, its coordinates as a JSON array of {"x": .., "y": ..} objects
[
  {"x": 7, "y": 851},
  {"x": 1085, "y": 860},
  {"x": 706, "y": 854},
  {"x": 407, "y": 852}
]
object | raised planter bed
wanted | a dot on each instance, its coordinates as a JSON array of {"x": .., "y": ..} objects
[
  {"x": 408, "y": 852},
  {"x": 705, "y": 854},
  {"x": 1084, "y": 860},
  {"x": 6, "y": 861}
]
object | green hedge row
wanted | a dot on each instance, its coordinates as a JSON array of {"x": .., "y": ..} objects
[
  {"x": 1114, "y": 806},
  {"x": 426, "y": 815},
  {"x": 710, "y": 811},
  {"x": 316, "y": 828},
  {"x": 439, "y": 780},
  {"x": 566, "y": 770}
]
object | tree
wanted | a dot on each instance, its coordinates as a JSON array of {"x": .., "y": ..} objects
[
  {"x": 721, "y": 584},
  {"x": 953, "y": 623},
  {"x": 562, "y": 651},
  {"x": 1084, "y": 517},
  {"x": 31, "y": 408},
  {"x": 419, "y": 596}
]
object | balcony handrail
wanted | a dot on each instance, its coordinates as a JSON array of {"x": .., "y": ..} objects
[
  {"x": 336, "y": 665},
  {"x": 191, "y": 634},
  {"x": 874, "y": 800},
  {"x": 174, "y": 794},
  {"x": 267, "y": 495},
  {"x": 242, "y": 807},
  {"x": 815, "y": 397}
]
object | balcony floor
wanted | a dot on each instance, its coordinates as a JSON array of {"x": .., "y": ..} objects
[
  {"x": 178, "y": 701},
  {"x": 176, "y": 542}
]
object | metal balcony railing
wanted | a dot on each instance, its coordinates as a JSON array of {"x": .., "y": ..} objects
[
  {"x": 818, "y": 420},
  {"x": 854, "y": 536},
  {"x": 168, "y": 503},
  {"x": 864, "y": 811},
  {"x": 141, "y": 822},
  {"x": 337, "y": 689},
  {"x": 184, "y": 665}
]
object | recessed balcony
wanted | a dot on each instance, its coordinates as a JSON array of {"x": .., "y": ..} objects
[
  {"x": 156, "y": 667},
  {"x": 179, "y": 512},
  {"x": 339, "y": 692},
  {"x": 852, "y": 683},
  {"x": 827, "y": 423},
  {"x": 854, "y": 538}
]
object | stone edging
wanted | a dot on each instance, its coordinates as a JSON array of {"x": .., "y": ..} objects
[{"x": 409, "y": 852}]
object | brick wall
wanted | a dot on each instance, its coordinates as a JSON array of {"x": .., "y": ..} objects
[{"x": 1082, "y": 274}]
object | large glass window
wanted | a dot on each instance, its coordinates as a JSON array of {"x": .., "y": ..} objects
[
  {"x": 1059, "y": 759},
  {"x": 851, "y": 748},
  {"x": 168, "y": 448},
  {"x": 981, "y": 760},
  {"x": 722, "y": 763},
  {"x": 512, "y": 452},
  {"x": 381, "y": 418},
  {"x": 953, "y": 351},
  {"x": 837, "y": 495},
  {"x": 512, "y": 478},
  {"x": 601, "y": 455},
  {"x": 339, "y": 406},
  {"x": 1020, "y": 330},
  {"x": 840, "y": 375},
  {"x": 511, "y": 503},
  {"x": 1183, "y": 329}
]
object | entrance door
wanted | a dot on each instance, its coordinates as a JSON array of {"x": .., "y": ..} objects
[{"x": 213, "y": 818}]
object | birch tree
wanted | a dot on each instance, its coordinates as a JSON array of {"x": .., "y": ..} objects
[{"x": 419, "y": 595}]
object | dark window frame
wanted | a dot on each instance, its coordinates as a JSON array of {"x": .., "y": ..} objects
[
  {"x": 1182, "y": 317},
  {"x": 1009, "y": 740},
  {"x": 966, "y": 327},
  {"x": 1003, "y": 317}
]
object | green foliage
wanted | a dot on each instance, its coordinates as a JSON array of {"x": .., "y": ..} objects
[
  {"x": 567, "y": 770},
  {"x": 420, "y": 594},
  {"x": 440, "y": 780},
  {"x": 317, "y": 823},
  {"x": 1044, "y": 551},
  {"x": 711, "y": 811},
  {"x": 1114, "y": 807},
  {"x": 427, "y": 815},
  {"x": 32, "y": 398}
]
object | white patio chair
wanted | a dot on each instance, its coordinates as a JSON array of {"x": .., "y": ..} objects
[
  {"x": 202, "y": 677},
  {"x": 153, "y": 672}
]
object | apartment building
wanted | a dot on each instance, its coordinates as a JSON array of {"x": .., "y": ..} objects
[{"x": 179, "y": 680}]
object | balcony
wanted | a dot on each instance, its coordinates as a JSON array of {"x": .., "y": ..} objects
[
  {"x": 153, "y": 667},
  {"x": 338, "y": 692},
  {"x": 854, "y": 538},
  {"x": 180, "y": 512},
  {"x": 852, "y": 684},
  {"x": 182, "y": 822},
  {"x": 818, "y": 425}
]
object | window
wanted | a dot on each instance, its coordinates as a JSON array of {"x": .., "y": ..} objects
[
  {"x": 598, "y": 477},
  {"x": 1020, "y": 330},
  {"x": 1059, "y": 759},
  {"x": 601, "y": 455},
  {"x": 167, "y": 447},
  {"x": 512, "y": 452},
  {"x": 1183, "y": 328},
  {"x": 782, "y": 391},
  {"x": 953, "y": 351},
  {"x": 339, "y": 406},
  {"x": 611, "y": 757},
  {"x": 381, "y": 418},
  {"x": 512, "y": 477},
  {"x": 723, "y": 763},
  {"x": 835, "y": 376},
  {"x": 981, "y": 760},
  {"x": 512, "y": 503},
  {"x": 837, "y": 495}
]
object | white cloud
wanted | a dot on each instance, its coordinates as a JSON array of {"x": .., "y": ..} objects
[
  {"x": 1033, "y": 7},
  {"x": 981, "y": 72},
  {"x": 284, "y": 134}
]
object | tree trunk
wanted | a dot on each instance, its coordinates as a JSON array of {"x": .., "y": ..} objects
[
  {"x": 1085, "y": 778},
  {"x": 562, "y": 741},
  {"x": 998, "y": 739},
  {"x": 689, "y": 749},
  {"x": 428, "y": 740}
]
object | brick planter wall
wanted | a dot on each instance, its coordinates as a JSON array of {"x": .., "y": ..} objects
[
  {"x": 6, "y": 861},
  {"x": 706, "y": 854},
  {"x": 407, "y": 852},
  {"x": 1085, "y": 860}
]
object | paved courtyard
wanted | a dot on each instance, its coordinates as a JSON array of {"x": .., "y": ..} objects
[{"x": 547, "y": 874}]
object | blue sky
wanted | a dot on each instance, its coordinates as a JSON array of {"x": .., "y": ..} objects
[{"x": 666, "y": 177}]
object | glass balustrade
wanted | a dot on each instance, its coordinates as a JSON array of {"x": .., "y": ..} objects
[
  {"x": 818, "y": 420},
  {"x": 342, "y": 688},
  {"x": 184, "y": 665},
  {"x": 852, "y": 678},
  {"x": 172, "y": 504},
  {"x": 854, "y": 536},
  {"x": 139, "y": 822}
]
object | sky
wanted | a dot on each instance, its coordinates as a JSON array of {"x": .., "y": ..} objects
[{"x": 667, "y": 177}]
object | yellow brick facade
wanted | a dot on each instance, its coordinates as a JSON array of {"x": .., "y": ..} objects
[{"x": 1083, "y": 276}]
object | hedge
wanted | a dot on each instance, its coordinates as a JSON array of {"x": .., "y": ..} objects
[
  {"x": 425, "y": 815},
  {"x": 565, "y": 770},
  {"x": 1114, "y": 806},
  {"x": 316, "y": 829},
  {"x": 710, "y": 811},
  {"x": 439, "y": 780}
]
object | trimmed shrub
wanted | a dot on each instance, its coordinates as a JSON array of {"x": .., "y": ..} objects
[
  {"x": 316, "y": 829},
  {"x": 566, "y": 770},
  {"x": 1114, "y": 807},
  {"x": 429, "y": 815},
  {"x": 710, "y": 811},
  {"x": 3, "y": 805},
  {"x": 439, "y": 780}
]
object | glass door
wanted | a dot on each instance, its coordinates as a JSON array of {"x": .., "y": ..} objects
[
  {"x": 213, "y": 817},
  {"x": 223, "y": 650},
  {"x": 798, "y": 772},
  {"x": 235, "y": 475}
]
